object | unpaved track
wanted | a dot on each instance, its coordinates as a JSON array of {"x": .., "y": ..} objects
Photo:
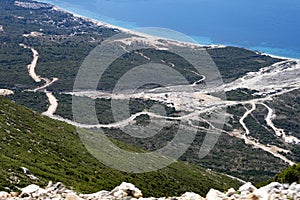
[
  {"x": 263, "y": 81},
  {"x": 53, "y": 104},
  {"x": 248, "y": 112},
  {"x": 32, "y": 65},
  {"x": 278, "y": 131},
  {"x": 31, "y": 70}
]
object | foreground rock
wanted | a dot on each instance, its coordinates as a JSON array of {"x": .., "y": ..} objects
[
  {"x": 127, "y": 191},
  {"x": 249, "y": 192}
]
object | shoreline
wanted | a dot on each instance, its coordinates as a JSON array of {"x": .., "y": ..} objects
[
  {"x": 279, "y": 57},
  {"x": 133, "y": 32},
  {"x": 108, "y": 25}
]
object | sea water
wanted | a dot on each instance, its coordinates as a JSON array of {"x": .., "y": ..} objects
[{"x": 270, "y": 26}]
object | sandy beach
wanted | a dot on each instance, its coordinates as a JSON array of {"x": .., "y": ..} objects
[{"x": 136, "y": 32}]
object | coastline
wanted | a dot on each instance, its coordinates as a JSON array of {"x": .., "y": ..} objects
[
  {"x": 133, "y": 32},
  {"x": 125, "y": 30},
  {"x": 279, "y": 57},
  {"x": 149, "y": 36},
  {"x": 196, "y": 42},
  {"x": 101, "y": 23}
]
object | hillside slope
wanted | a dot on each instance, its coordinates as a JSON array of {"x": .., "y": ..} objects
[
  {"x": 289, "y": 175},
  {"x": 51, "y": 150},
  {"x": 262, "y": 92}
]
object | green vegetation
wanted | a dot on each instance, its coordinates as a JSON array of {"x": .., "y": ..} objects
[
  {"x": 261, "y": 131},
  {"x": 52, "y": 150},
  {"x": 230, "y": 155},
  {"x": 241, "y": 94},
  {"x": 103, "y": 107},
  {"x": 34, "y": 100},
  {"x": 287, "y": 109},
  {"x": 234, "y": 62},
  {"x": 288, "y": 112},
  {"x": 289, "y": 175},
  {"x": 61, "y": 41}
]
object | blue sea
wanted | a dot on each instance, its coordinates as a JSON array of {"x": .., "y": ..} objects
[{"x": 270, "y": 26}]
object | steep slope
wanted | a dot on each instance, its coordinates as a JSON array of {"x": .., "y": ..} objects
[{"x": 51, "y": 150}]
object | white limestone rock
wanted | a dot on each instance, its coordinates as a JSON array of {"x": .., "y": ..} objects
[
  {"x": 293, "y": 187},
  {"x": 58, "y": 188},
  {"x": 191, "y": 196},
  {"x": 215, "y": 195},
  {"x": 230, "y": 192},
  {"x": 98, "y": 195},
  {"x": 72, "y": 196},
  {"x": 29, "y": 190},
  {"x": 126, "y": 189},
  {"x": 247, "y": 187},
  {"x": 253, "y": 197},
  {"x": 50, "y": 184},
  {"x": 274, "y": 185},
  {"x": 3, "y": 195}
]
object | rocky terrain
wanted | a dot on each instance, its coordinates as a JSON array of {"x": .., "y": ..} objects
[{"x": 127, "y": 191}]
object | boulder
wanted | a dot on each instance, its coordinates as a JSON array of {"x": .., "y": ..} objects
[
  {"x": 26, "y": 171},
  {"x": 98, "y": 195},
  {"x": 39, "y": 193},
  {"x": 261, "y": 192},
  {"x": 230, "y": 192},
  {"x": 71, "y": 196},
  {"x": 215, "y": 195},
  {"x": 3, "y": 195},
  {"x": 285, "y": 186},
  {"x": 126, "y": 189},
  {"x": 58, "y": 188},
  {"x": 29, "y": 190},
  {"x": 273, "y": 185},
  {"x": 14, "y": 194},
  {"x": 191, "y": 196},
  {"x": 298, "y": 188},
  {"x": 253, "y": 197},
  {"x": 293, "y": 186},
  {"x": 247, "y": 187},
  {"x": 50, "y": 184}
]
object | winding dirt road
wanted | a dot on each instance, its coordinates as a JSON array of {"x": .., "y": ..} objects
[
  {"x": 32, "y": 65},
  {"x": 248, "y": 112},
  {"x": 268, "y": 81},
  {"x": 31, "y": 70},
  {"x": 264, "y": 81}
]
